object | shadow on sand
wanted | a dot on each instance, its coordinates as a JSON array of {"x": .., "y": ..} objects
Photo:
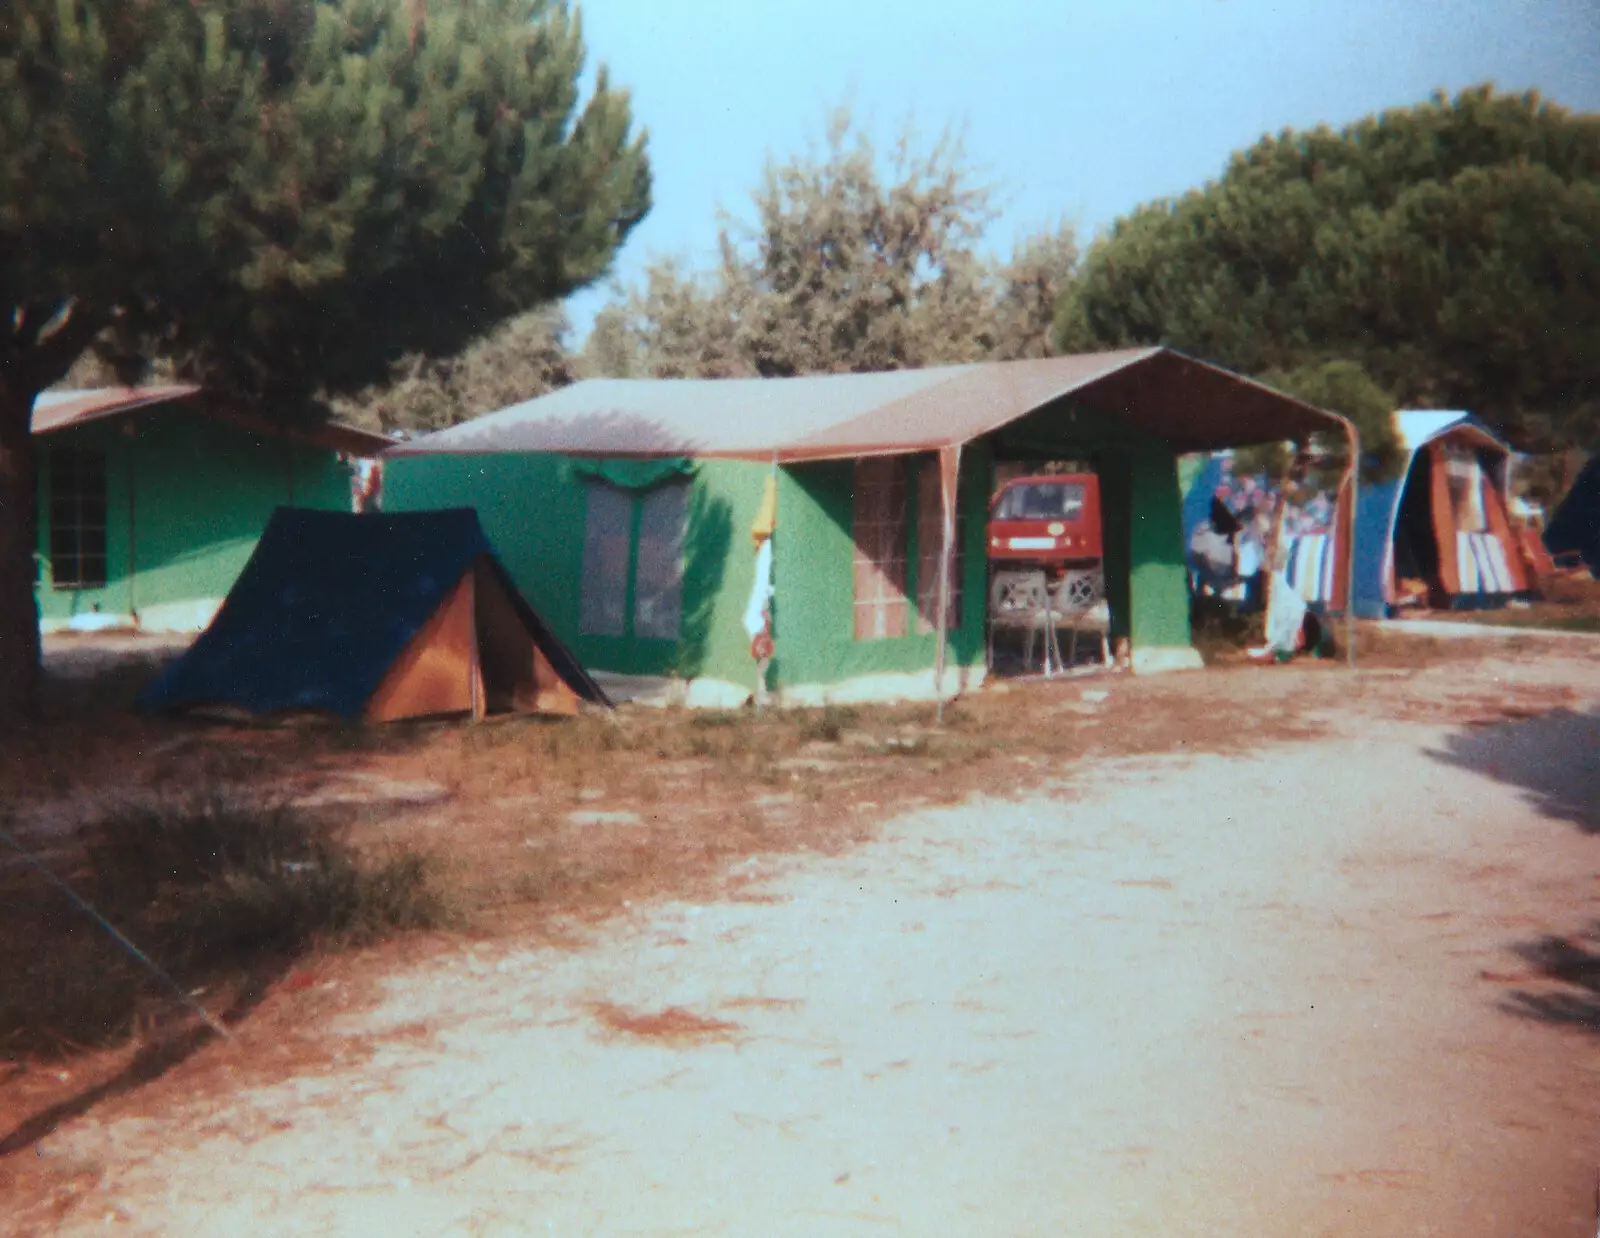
[
  {"x": 1554, "y": 759},
  {"x": 1571, "y": 966},
  {"x": 147, "y": 1065}
]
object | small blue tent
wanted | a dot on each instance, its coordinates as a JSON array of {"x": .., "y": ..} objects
[
  {"x": 379, "y": 617},
  {"x": 1575, "y": 526}
]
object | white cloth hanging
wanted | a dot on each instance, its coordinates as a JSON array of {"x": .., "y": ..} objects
[
  {"x": 755, "y": 611},
  {"x": 1285, "y": 615}
]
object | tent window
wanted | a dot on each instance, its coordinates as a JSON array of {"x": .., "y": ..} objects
[
  {"x": 603, "y": 599},
  {"x": 638, "y": 538},
  {"x": 77, "y": 518},
  {"x": 658, "y": 586},
  {"x": 880, "y": 549},
  {"x": 930, "y": 540},
  {"x": 1464, "y": 476}
]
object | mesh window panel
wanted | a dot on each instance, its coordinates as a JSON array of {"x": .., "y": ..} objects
[
  {"x": 879, "y": 530},
  {"x": 658, "y": 585},
  {"x": 603, "y": 598},
  {"x": 930, "y": 541},
  {"x": 1464, "y": 480},
  {"x": 77, "y": 518}
]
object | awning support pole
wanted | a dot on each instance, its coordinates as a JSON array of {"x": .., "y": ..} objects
[
  {"x": 1354, "y": 438},
  {"x": 949, "y": 473}
]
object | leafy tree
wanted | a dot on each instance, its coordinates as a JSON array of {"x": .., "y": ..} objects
[
  {"x": 517, "y": 361},
  {"x": 1343, "y": 387},
  {"x": 850, "y": 263},
  {"x": 678, "y": 324},
  {"x": 1449, "y": 249},
  {"x": 282, "y": 197},
  {"x": 1028, "y": 289}
]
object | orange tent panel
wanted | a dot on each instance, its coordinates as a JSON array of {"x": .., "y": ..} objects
[
  {"x": 516, "y": 674},
  {"x": 438, "y": 672}
]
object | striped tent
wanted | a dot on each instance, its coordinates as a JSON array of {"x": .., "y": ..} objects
[{"x": 1440, "y": 529}]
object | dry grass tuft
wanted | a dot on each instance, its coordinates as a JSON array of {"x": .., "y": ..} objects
[
  {"x": 672, "y": 1025},
  {"x": 221, "y": 885}
]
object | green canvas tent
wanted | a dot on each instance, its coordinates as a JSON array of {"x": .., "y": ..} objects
[
  {"x": 151, "y": 500},
  {"x": 623, "y": 510}
]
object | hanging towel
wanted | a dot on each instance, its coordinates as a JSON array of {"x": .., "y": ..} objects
[
  {"x": 755, "y": 612},
  {"x": 1285, "y": 615}
]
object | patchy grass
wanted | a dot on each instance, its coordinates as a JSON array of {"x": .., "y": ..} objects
[
  {"x": 223, "y": 886},
  {"x": 212, "y": 856}
]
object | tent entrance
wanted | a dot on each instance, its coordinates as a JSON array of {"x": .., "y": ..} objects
[
  {"x": 1416, "y": 541},
  {"x": 515, "y": 675},
  {"x": 437, "y": 672},
  {"x": 1045, "y": 564},
  {"x": 473, "y": 656}
]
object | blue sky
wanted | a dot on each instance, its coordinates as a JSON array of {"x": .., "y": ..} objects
[{"x": 1073, "y": 108}]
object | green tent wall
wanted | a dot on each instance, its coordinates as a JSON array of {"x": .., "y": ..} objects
[
  {"x": 532, "y": 507},
  {"x": 187, "y": 496}
]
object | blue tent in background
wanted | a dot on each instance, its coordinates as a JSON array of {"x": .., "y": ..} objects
[
  {"x": 1441, "y": 521},
  {"x": 1575, "y": 525},
  {"x": 1197, "y": 498},
  {"x": 1310, "y": 561},
  {"x": 379, "y": 617}
]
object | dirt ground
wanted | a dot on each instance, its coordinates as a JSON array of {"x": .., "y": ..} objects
[{"x": 1260, "y": 951}]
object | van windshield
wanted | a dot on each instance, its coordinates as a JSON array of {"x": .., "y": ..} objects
[{"x": 1042, "y": 500}]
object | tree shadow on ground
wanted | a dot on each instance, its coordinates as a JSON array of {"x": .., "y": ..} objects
[
  {"x": 1554, "y": 759},
  {"x": 1571, "y": 965},
  {"x": 86, "y": 789},
  {"x": 707, "y": 544},
  {"x": 148, "y": 1064}
]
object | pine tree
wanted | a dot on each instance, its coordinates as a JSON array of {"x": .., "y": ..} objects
[
  {"x": 1450, "y": 249},
  {"x": 281, "y": 198}
]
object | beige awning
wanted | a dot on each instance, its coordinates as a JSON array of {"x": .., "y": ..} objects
[{"x": 1188, "y": 404}]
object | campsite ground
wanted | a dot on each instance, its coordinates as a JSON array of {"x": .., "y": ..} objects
[
  {"x": 1568, "y": 603},
  {"x": 1267, "y": 950}
]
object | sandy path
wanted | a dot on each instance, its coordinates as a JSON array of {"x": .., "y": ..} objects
[{"x": 1120, "y": 1008}]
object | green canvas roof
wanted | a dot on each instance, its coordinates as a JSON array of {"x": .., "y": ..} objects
[{"x": 1190, "y": 404}]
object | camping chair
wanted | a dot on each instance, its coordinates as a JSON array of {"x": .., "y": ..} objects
[
  {"x": 1545, "y": 568},
  {"x": 1021, "y": 602},
  {"x": 1081, "y": 606}
]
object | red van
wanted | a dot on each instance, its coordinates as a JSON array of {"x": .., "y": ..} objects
[{"x": 1050, "y": 522}]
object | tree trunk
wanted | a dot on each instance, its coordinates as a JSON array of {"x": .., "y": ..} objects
[
  {"x": 19, "y": 524},
  {"x": 1272, "y": 551}
]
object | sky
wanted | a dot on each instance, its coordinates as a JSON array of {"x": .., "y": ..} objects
[{"x": 1073, "y": 109}]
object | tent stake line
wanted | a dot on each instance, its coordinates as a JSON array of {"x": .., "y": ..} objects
[{"x": 34, "y": 863}]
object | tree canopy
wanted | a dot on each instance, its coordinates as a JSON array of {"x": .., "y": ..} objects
[
  {"x": 518, "y": 360},
  {"x": 1341, "y": 387},
  {"x": 285, "y": 195},
  {"x": 282, "y": 197},
  {"x": 851, "y": 262},
  {"x": 1452, "y": 250}
]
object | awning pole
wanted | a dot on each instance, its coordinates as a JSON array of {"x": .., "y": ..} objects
[
  {"x": 949, "y": 471},
  {"x": 1354, "y": 437}
]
